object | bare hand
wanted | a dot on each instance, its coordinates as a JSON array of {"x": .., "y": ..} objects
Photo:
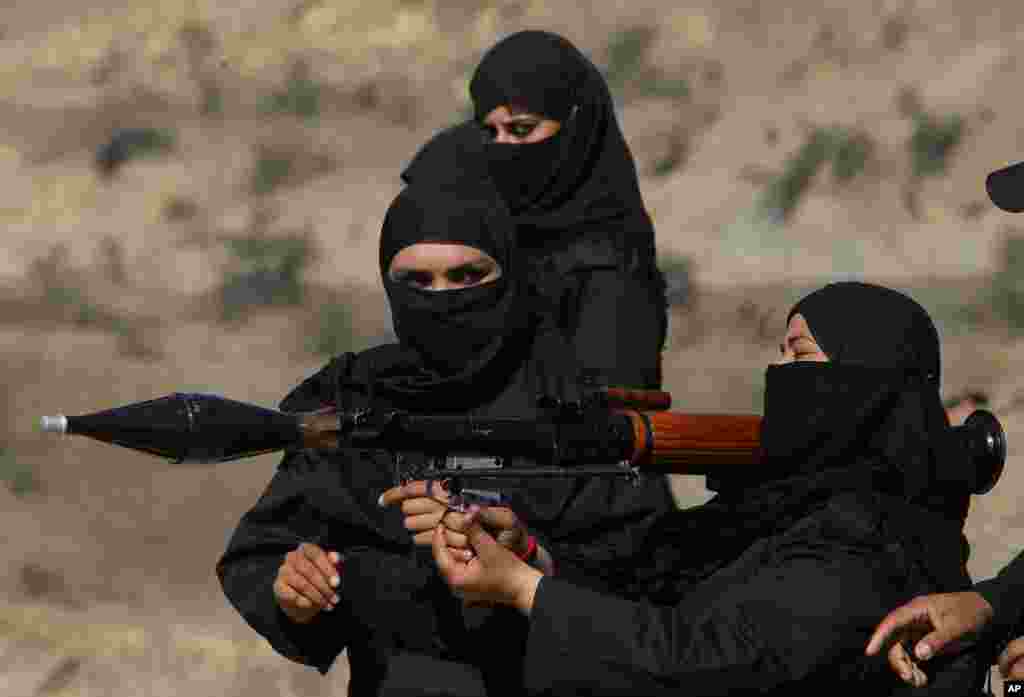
[
  {"x": 306, "y": 581},
  {"x": 1010, "y": 664},
  {"x": 501, "y": 522},
  {"x": 941, "y": 623},
  {"x": 494, "y": 575},
  {"x": 425, "y": 505}
]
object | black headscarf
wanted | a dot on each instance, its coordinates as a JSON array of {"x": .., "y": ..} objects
[
  {"x": 455, "y": 347},
  {"x": 869, "y": 421},
  {"x": 590, "y": 186}
]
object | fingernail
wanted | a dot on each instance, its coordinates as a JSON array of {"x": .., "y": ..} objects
[
  {"x": 380, "y": 501},
  {"x": 923, "y": 651},
  {"x": 335, "y": 600},
  {"x": 335, "y": 581},
  {"x": 333, "y": 556}
]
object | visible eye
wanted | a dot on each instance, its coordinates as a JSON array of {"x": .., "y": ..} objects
[
  {"x": 468, "y": 275},
  {"x": 417, "y": 279},
  {"x": 521, "y": 129}
]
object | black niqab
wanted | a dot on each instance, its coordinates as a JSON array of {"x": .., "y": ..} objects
[
  {"x": 456, "y": 347},
  {"x": 869, "y": 421},
  {"x": 591, "y": 188}
]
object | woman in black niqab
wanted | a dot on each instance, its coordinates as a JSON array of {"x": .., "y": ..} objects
[
  {"x": 780, "y": 579},
  {"x": 580, "y": 219},
  {"x": 463, "y": 351},
  {"x": 867, "y": 421}
]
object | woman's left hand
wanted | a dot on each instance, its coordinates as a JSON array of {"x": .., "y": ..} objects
[
  {"x": 494, "y": 575},
  {"x": 424, "y": 504}
]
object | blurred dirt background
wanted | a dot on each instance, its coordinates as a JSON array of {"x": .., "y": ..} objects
[{"x": 192, "y": 192}]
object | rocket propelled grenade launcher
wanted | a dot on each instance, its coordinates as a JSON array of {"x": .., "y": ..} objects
[{"x": 613, "y": 432}]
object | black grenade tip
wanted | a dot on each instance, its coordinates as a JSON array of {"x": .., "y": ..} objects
[{"x": 989, "y": 447}]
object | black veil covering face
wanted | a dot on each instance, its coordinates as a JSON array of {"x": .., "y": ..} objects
[
  {"x": 588, "y": 173},
  {"x": 453, "y": 344},
  {"x": 396, "y": 611},
  {"x": 870, "y": 421},
  {"x": 575, "y": 196}
]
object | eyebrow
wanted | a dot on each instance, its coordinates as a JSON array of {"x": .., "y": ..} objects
[{"x": 478, "y": 265}]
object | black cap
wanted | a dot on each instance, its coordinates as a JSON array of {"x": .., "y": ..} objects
[{"x": 1006, "y": 188}]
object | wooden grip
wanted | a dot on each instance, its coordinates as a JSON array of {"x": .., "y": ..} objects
[
  {"x": 696, "y": 443},
  {"x": 319, "y": 428},
  {"x": 645, "y": 400}
]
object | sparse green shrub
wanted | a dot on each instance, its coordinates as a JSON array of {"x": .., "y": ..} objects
[
  {"x": 848, "y": 151},
  {"x": 287, "y": 164},
  {"x": 212, "y": 99},
  {"x": 851, "y": 151},
  {"x": 271, "y": 170},
  {"x": 1007, "y": 291},
  {"x": 60, "y": 289},
  {"x": 627, "y": 54},
  {"x": 932, "y": 142},
  {"x": 783, "y": 194},
  {"x": 131, "y": 144},
  {"x": 627, "y": 68},
  {"x": 300, "y": 95},
  {"x": 18, "y": 477},
  {"x": 674, "y": 157},
  {"x": 665, "y": 88},
  {"x": 264, "y": 271},
  {"x": 334, "y": 330}
]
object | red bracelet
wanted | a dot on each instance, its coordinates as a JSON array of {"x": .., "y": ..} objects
[{"x": 531, "y": 549}]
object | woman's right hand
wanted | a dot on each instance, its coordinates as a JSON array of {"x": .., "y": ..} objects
[{"x": 306, "y": 582}]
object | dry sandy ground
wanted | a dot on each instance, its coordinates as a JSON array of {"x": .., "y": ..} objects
[{"x": 108, "y": 586}]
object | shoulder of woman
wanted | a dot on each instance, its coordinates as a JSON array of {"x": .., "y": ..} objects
[
  {"x": 320, "y": 388},
  {"x": 440, "y": 156}
]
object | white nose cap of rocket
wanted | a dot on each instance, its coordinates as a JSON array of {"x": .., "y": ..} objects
[{"x": 54, "y": 424}]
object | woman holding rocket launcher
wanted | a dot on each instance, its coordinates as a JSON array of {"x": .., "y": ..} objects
[
  {"x": 320, "y": 564},
  {"x": 777, "y": 584}
]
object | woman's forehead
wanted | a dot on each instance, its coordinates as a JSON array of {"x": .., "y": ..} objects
[
  {"x": 506, "y": 112},
  {"x": 438, "y": 254},
  {"x": 798, "y": 327}
]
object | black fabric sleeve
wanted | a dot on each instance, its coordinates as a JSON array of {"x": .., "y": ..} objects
[
  {"x": 277, "y": 524},
  {"x": 619, "y": 327},
  {"x": 1005, "y": 593},
  {"x": 795, "y": 611}
]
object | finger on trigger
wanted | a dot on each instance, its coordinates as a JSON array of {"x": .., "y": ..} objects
[
  {"x": 424, "y": 521},
  {"x": 456, "y": 539},
  {"x": 454, "y": 520},
  {"x": 441, "y": 557}
]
